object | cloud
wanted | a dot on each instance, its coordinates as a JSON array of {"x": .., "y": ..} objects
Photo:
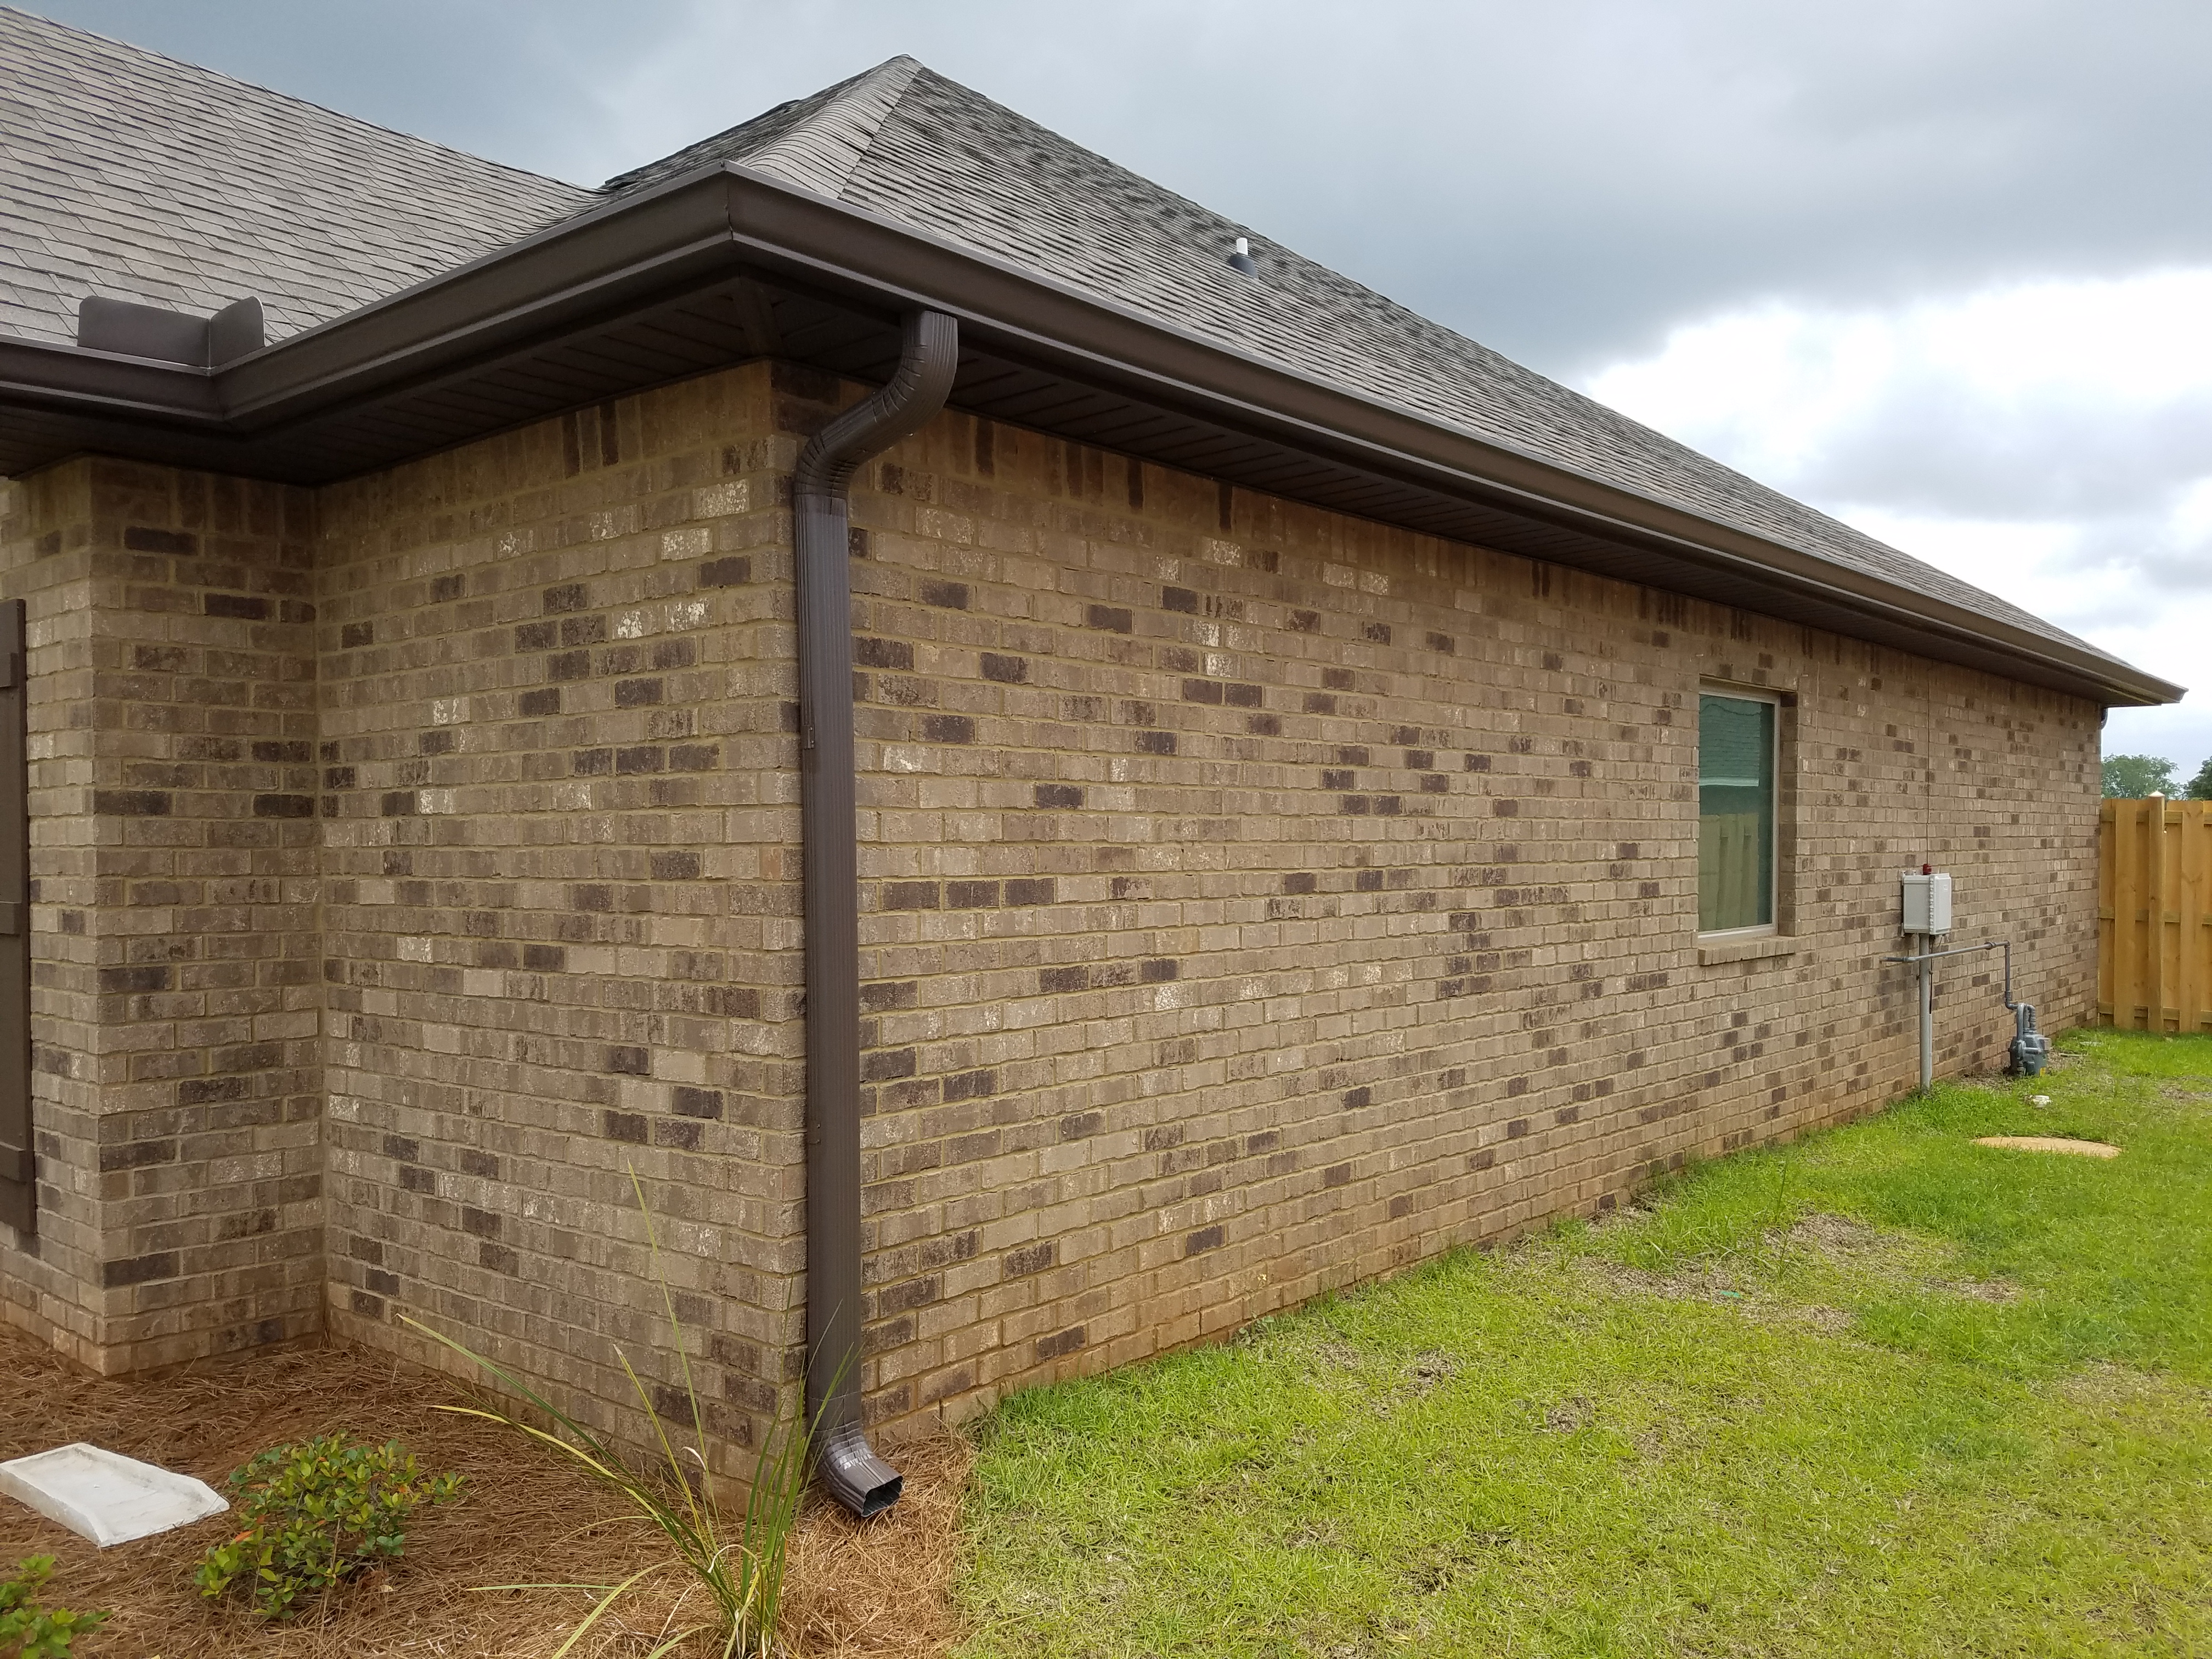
[
  {"x": 2085, "y": 400},
  {"x": 1564, "y": 182},
  {"x": 2051, "y": 441},
  {"x": 1941, "y": 269}
]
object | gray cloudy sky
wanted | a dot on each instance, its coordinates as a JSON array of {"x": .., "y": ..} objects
[{"x": 1941, "y": 267}]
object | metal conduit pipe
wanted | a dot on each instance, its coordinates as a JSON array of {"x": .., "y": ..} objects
[
  {"x": 2029, "y": 1050},
  {"x": 859, "y": 1479}
]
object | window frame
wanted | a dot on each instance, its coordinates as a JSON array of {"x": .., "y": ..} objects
[{"x": 1771, "y": 928}]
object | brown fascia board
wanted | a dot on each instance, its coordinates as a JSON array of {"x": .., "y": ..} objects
[
  {"x": 606, "y": 260},
  {"x": 701, "y": 227}
]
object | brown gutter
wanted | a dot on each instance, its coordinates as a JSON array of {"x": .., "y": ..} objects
[
  {"x": 610, "y": 259},
  {"x": 40, "y": 375},
  {"x": 709, "y": 225}
]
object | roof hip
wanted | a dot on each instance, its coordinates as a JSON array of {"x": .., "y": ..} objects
[
  {"x": 894, "y": 187},
  {"x": 814, "y": 142}
]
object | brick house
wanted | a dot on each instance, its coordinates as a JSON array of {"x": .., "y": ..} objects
[{"x": 1027, "y": 757}]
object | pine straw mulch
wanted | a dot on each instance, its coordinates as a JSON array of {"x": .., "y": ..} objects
[{"x": 878, "y": 1591}]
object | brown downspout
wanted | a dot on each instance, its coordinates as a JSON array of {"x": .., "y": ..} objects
[{"x": 861, "y": 1480}]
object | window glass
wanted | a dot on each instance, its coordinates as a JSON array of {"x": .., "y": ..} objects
[{"x": 1735, "y": 813}]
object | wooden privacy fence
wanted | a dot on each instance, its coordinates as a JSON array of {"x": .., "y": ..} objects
[{"x": 2155, "y": 915}]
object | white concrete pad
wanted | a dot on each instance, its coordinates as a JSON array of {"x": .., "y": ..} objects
[
  {"x": 105, "y": 1496},
  {"x": 2050, "y": 1144}
]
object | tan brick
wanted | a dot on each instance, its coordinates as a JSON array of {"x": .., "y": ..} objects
[{"x": 1255, "y": 899}]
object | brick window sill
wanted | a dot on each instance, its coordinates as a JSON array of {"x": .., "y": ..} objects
[{"x": 1714, "y": 952}]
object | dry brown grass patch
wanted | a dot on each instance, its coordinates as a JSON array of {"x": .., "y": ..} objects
[{"x": 1749, "y": 1283}]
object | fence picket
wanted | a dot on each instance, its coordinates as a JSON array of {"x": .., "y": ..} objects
[{"x": 2155, "y": 915}]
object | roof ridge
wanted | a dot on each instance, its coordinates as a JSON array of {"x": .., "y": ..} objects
[
  {"x": 821, "y": 151},
  {"x": 186, "y": 64}
]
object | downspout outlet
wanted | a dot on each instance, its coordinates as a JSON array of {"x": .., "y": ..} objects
[{"x": 859, "y": 1479}]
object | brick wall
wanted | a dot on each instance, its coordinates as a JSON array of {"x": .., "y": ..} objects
[
  {"x": 1258, "y": 900},
  {"x": 175, "y": 1013},
  {"x": 1255, "y": 899},
  {"x": 560, "y": 833}
]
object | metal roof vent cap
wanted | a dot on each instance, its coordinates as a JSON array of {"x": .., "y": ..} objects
[{"x": 1240, "y": 258}]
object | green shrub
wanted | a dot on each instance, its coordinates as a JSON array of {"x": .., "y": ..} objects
[
  {"x": 30, "y": 1632},
  {"x": 314, "y": 1513}
]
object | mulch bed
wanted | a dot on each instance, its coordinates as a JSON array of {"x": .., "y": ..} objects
[{"x": 878, "y": 1591}]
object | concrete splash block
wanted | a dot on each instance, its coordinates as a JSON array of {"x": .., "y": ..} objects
[
  {"x": 105, "y": 1496},
  {"x": 2050, "y": 1144}
]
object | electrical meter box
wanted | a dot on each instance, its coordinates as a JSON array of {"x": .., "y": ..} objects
[{"x": 1927, "y": 904}]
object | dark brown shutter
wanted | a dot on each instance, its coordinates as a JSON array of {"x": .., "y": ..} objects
[{"x": 18, "y": 1192}]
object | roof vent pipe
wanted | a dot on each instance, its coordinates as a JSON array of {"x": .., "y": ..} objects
[
  {"x": 1240, "y": 258},
  {"x": 861, "y": 1480}
]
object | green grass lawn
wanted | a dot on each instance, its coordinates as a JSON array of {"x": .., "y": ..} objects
[{"x": 1881, "y": 1392}]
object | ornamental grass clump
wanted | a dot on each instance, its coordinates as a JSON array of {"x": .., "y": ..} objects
[
  {"x": 313, "y": 1514},
  {"x": 28, "y": 1631},
  {"x": 736, "y": 1560}
]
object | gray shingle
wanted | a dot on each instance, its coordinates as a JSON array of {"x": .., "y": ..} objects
[
  {"x": 813, "y": 142},
  {"x": 950, "y": 161},
  {"x": 130, "y": 175}
]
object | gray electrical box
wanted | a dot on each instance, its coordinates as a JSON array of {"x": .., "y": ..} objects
[{"x": 1927, "y": 904}]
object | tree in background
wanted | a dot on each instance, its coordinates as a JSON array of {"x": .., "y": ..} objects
[
  {"x": 2200, "y": 786},
  {"x": 2130, "y": 777}
]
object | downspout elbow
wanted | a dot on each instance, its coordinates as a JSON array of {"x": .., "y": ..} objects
[
  {"x": 929, "y": 356},
  {"x": 855, "y": 1476}
]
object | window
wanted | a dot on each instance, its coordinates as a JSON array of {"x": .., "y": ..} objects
[{"x": 1735, "y": 811}]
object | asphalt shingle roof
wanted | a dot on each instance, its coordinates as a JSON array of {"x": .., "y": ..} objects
[
  {"x": 132, "y": 176},
  {"x": 950, "y": 161},
  {"x": 129, "y": 175}
]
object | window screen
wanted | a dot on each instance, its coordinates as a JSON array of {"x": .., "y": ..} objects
[{"x": 1735, "y": 813}]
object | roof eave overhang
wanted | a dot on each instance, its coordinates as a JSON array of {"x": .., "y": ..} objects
[{"x": 705, "y": 227}]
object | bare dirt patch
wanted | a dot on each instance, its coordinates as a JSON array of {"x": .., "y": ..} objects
[
  {"x": 1829, "y": 1322},
  {"x": 1894, "y": 1259},
  {"x": 1428, "y": 1369},
  {"x": 1840, "y": 1236},
  {"x": 1567, "y": 1416},
  {"x": 1982, "y": 1289},
  {"x": 523, "y": 1518},
  {"x": 1755, "y": 1283},
  {"x": 2111, "y": 1386},
  {"x": 1712, "y": 1280}
]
